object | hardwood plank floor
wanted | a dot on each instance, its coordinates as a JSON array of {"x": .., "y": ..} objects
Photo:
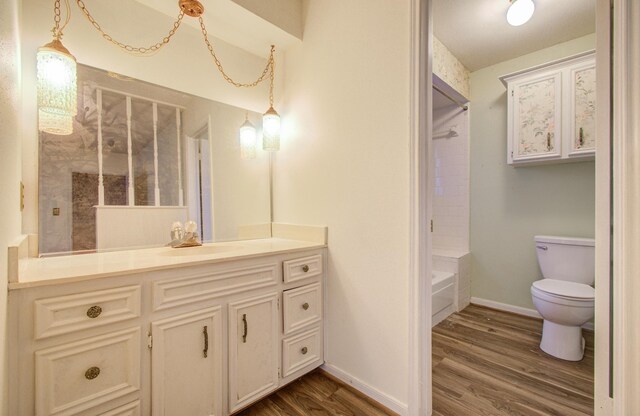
[
  {"x": 485, "y": 363},
  {"x": 316, "y": 394},
  {"x": 489, "y": 363}
]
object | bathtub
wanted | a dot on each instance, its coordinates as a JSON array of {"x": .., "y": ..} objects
[{"x": 442, "y": 296}]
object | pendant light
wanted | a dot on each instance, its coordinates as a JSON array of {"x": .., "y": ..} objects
[
  {"x": 56, "y": 82},
  {"x": 271, "y": 119},
  {"x": 520, "y": 11},
  {"x": 248, "y": 139}
]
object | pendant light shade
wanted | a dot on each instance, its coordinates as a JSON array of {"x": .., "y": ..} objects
[
  {"x": 520, "y": 12},
  {"x": 57, "y": 89},
  {"x": 271, "y": 130},
  {"x": 248, "y": 140}
]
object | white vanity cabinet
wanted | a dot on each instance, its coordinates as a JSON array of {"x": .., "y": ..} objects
[
  {"x": 186, "y": 362},
  {"x": 197, "y": 340},
  {"x": 253, "y": 349},
  {"x": 551, "y": 112}
]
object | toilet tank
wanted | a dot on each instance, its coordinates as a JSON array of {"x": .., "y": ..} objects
[{"x": 566, "y": 258}]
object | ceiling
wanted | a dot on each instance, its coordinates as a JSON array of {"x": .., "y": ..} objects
[{"x": 477, "y": 32}]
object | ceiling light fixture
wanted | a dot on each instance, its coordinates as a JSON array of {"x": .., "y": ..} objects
[
  {"x": 520, "y": 11},
  {"x": 56, "y": 81},
  {"x": 57, "y": 84},
  {"x": 248, "y": 139}
]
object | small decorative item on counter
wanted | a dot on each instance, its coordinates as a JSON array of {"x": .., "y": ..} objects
[{"x": 184, "y": 237}]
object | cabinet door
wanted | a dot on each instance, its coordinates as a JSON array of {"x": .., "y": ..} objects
[
  {"x": 583, "y": 110},
  {"x": 536, "y": 118},
  {"x": 186, "y": 364},
  {"x": 253, "y": 349}
]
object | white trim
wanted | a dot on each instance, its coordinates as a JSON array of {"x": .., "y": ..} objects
[
  {"x": 419, "y": 295},
  {"x": 603, "y": 404},
  {"x": 626, "y": 203},
  {"x": 382, "y": 398},
  {"x": 518, "y": 310}
]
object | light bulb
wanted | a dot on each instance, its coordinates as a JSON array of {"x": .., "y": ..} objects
[
  {"x": 271, "y": 130},
  {"x": 57, "y": 88},
  {"x": 248, "y": 139},
  {"x": 520, "y": 12}
]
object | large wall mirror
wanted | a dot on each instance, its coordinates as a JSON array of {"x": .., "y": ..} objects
[{"x": 142, "y": 156}]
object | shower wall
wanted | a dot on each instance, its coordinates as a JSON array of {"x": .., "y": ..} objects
[{"x": 451, "y": 179}]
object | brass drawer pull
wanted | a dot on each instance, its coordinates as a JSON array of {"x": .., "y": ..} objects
[
  {"x": 92, "y": 373},
  {"x": 245, "y": 327},
  {"x": 94, "y": 311},
  {"x": 304, "y": 350},
  {"x": 305, "y": 268},
  {"x": 305, "y": 306},
  {"x": 549, "y": 142},
  {"x": 205, "y": 351}
]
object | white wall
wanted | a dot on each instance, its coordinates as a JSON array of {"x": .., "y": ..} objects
[
  {"x": 10, "y": 81},
  {"x": 451, "y": 187},
  {"x": 509, "y": 205},
  {"x": 344, "y": 163}
]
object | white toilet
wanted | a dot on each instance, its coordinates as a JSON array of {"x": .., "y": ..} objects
[{"x": 565, "y": 297}]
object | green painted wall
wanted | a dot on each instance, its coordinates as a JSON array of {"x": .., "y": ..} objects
[{"x": 510, "y": 205}]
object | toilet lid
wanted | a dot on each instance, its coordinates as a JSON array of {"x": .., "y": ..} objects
[{"x": 565, "y": 289}]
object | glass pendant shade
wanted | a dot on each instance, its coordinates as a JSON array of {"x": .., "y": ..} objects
[
  {"x": 520, "y": 12},
  {"x": 248, "y": 140},
  {"x": 57, "y": 89},
  {"x": 271, "y": 130}
]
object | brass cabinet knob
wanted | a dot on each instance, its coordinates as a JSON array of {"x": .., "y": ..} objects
[
  {"x": 92, "y": 373},
  {"x": 305, "y": 306},
  {"x": 94, "y": 311},
  {"x": 304, "y": 350},
  {"x": 305, "y": 268}
]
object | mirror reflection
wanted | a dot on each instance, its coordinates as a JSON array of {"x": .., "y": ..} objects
[{"x": 141, "y": 157}]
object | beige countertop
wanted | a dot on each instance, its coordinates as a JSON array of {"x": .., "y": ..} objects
[{"x": 74, "y": 268}]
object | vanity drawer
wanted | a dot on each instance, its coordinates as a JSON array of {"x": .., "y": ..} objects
[
  {"x": 302, "y": 307},
  {"x": 301, "y": 351},
  {"x": 64, "y": 314},
  {"x": 75, "y": 377},
  {"x": 131, "y": 409},
  {"x": 303, "y": 268}
]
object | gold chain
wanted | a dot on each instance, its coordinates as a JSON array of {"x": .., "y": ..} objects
[
  {"x": 268, "y": 69},
  {"x": 273, "y": 68},
  {"x": 221, "y": 69},
  {"x": 126, "y": 47},
  {"x": 57, "y": 30}
]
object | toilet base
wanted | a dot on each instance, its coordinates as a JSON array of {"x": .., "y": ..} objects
[{"x": 564, "y": 342}]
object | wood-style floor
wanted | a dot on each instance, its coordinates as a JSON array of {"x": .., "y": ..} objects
[
  {"x": 489, "y": 363},
  {"x": 485, "y": 363},
  {"x": 316, "y": 394}
]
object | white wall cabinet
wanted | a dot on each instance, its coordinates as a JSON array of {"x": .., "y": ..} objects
[
  {"x": 198, "y": 340},
  {"x": 551, "y": 112}
]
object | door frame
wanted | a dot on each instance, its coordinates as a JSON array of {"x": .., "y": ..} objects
[
  {"x": 618, "y": 60},
  {"x": 419, "y": 365}
]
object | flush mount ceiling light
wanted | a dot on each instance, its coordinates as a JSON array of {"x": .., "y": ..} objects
[
  {"x": 57, "y": 84},
  {"x": 520, "y": 12}
]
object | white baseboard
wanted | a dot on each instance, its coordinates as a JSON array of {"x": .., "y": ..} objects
[
  {"x": 519, "y": 310},
  {"x": 391, "y": 403}
]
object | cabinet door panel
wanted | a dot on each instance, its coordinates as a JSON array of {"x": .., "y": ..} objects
[
  {"x": 537, "y": 118},
  {"x": 253, "y": 349},
  {"x": 583, "y": 106},
  {"x": 187, "y": 364}
]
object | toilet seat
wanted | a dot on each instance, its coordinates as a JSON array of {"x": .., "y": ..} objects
[
  {"x": 564, "y": 292},
  {"x": 565, "y": 289}
]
